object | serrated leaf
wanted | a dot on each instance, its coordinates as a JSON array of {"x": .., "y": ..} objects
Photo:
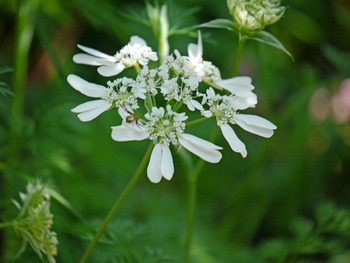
[
  {"x": 220, "y": 23},
  {"x": 301, "y": 227},
  {"x": 5, "y": 70},
  {"x": 269, "y": 39},
  {"x": 4, "y": 91}
]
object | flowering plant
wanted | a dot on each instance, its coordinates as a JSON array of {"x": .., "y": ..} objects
[{"x": 153, "y": 105}]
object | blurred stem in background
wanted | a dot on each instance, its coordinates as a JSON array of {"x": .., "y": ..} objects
[
  {"x": 25, "y": 20},
  {"x": 193, "y": 175},
  {"x": 192, "y": 179},
  {"x": 159, "y": 23},
  {"x": 24, "y": 35},
  {"x": 119, "y": 201}
]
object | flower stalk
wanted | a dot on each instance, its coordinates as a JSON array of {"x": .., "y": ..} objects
[
  {"x": 241, "y": 43},
  {"x": 192, "y": 179},
  {"x": 118, "y": 203}
]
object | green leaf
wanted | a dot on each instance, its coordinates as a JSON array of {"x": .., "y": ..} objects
[
  {"x": 5, "y": 91},
  {"x": 63, "y": 201},
  {"x": 5, "y": 70},
  {"x": 268, "y": 39},
  {"x": 220, "y": 23}
]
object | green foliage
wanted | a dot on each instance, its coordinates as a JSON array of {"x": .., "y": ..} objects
[
  {"x": 4, "y": 88},
  {"x": 326, "y": 236},
  {"x": 340, "y": 60},
  {"x": 128, "y": 242}
]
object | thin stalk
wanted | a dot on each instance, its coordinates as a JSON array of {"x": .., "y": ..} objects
[
  {"x": 7, "y": 224},
  {"x": 24, "y": 36},
  {"x": 117, "y": 204},
  {"x": 192, "y": 179},
  {"x": 238, "y": 55},
  {"x": 196, "y": 121},
  {"x": 192, "y": 194}
]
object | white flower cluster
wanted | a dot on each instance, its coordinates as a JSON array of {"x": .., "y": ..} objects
[{"x": 165, "y": 91}]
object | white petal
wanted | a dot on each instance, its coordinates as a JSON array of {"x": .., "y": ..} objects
[
  {"x": 242, "y": 103},
  {"x": 85, "y": 87},
  {"x": 235, "y": 143},
  {"x": 256, "y": 121},
  {"x": 125, "y": 132},
  {"x": 154, "y": 165},
  {"x": 96, "y": 53},
  {"x": 167, "y": 166},
  {"x": 111, "y": 70},
  {"x": 90, "y": 105},
  {"x": 236, "y": 85},
  {"x": 92, "y": 114},
  {"x": 263, "y": 132},
  {"x": 137, "y": 40},
  {"x": 195, "y": 51},
  {"x": 190, "y": 106},
  {"x": 192, "y": 50},
  {"x": 197, "y": 105},
  {"x": 202, "y": 148},
  {"x": 87, "y": 59},
  {"x": 123, "y": 113},
  {"x": 207, "y": 113}
]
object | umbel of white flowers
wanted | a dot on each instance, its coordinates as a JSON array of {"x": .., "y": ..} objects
[
  {"x": 252, "y": 15},
  {"x": 179, "y": 84}
]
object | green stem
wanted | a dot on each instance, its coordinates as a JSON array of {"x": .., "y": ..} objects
[
  {"x": 192, "y": 179},
  {"x": 7, "y": 224},
  {"x": 196, "y": 121},
  {"x": 24, "y": 36},
  {"x": 192, "y": 193},
  {"x": 238, "y": 55},
  {"x": 117, "y": 204}
]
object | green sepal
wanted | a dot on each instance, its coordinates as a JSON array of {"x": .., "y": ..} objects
[
  {"x": 220, "y": 23},
  {"x": 268, "y": 39}
]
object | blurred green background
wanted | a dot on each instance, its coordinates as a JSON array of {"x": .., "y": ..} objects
[{"x": 246, "y": 207}]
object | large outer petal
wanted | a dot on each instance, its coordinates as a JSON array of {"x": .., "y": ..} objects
[
  {"x": 86, "y": 59},
  {"x": 154, "y": 165},
  {"x": 256, "y": 121},
  {"x": 167, "y": 166},
  {"x": 235, "y": 143},
  {"x": 87, "y": 88},
  {"x": 256, "y": 125},
  {"x": 242, "y": 103},
  {"x": 90, "y": 105},
  {"x": 128, "y": 132},
  {"x": 96, "y": 53},
  {"x": 202, "y": 148},
  {"x": 237, "y": 85},
  {"x": 111, "y": 70},
  {"x": 92, "y": 114}
]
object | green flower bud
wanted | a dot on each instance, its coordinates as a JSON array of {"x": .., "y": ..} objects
[
  {"x": 254, "y": 15},
  {"x": 35, "y": 220}
]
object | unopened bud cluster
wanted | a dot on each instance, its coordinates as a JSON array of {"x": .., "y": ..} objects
[
  {"x": 35, "y": 220},
  {"x": 255, "y": 15}
]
